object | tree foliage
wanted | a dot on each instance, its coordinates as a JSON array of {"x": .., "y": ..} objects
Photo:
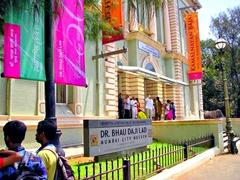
[
  {"x": 227, "y": 26},
  {"x": 212, "y": 83}
]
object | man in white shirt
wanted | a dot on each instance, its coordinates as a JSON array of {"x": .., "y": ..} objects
[
  {"x": 149, "y": 106},
  {"x": 134, "y": 108},
  {"x": 127, "y": 107}
]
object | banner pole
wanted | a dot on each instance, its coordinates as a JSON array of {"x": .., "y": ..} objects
[
  {"x": 49, "y": 83},
  {"x": 50, "y": 104}
]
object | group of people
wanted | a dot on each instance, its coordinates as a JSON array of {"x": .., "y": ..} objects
[
  {"x": 43, "y": 163},
  {"x": 154, "y": 108},
  {"x": 170, "y": 110},
  {"x": 128, "y": 107}
]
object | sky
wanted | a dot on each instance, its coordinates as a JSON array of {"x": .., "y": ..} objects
[{"x": 211, "y": 8}]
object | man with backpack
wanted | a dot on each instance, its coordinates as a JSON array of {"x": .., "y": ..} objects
[
  {"x": 30, "y": 166},
  {"x": 57, "y": 167},
  {"x": 46, "y": 132}
]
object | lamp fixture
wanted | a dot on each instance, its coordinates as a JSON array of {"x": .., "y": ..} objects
[{"x": 221, "y": 44}]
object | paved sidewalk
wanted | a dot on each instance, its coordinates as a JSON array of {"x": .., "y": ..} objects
[{"x": 222, "y": 167}]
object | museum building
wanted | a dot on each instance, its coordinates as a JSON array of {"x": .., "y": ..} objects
[{"x": 155, "y": 64}]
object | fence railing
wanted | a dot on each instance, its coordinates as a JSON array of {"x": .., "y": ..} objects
[{"x": 144, "y": 164}]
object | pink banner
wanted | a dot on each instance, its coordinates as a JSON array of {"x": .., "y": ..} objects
[
  {"x": 69, "y": 59},
  {"x": 11, "y": 53},
  {"x": 195, "y": 75}
]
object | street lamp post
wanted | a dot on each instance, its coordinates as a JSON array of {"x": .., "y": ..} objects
[
  {"x": 50, "y": 107},
  {"x": 220, "y": 45}
]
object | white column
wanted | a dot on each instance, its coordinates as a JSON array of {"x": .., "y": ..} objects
[
  {"x": 9, "y": 97},
  {"x": 40, "y": 98},
  {"x": 167, "y": 30},
  {"x": 133, "y": 24},
  {"x": 200, "y": 99},
  {"x": 126, "y": 23},
  {"x": 152, "y": 22},
  {"x": 77, "y": 101}
]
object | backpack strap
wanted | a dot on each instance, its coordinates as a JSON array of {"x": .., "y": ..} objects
[
  {"x": 24, "y": 160},
  {"x": 55, "y": 153},
  {"x": 62, "y": 167}
]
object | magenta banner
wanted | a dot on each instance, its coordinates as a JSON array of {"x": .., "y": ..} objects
[
  {"x": 69, "y": 61},
  {"x": 11, "y": 50},
  {"x": 24, "y": 42}
]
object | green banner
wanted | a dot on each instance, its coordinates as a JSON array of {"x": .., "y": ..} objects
[{"x": 30, "y": 19}]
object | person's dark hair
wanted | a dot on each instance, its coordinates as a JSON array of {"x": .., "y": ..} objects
[
  {"x": 15, "y": 130},
  {"x": 48, "y": 128},
  {"x": 157, "y": 98}
]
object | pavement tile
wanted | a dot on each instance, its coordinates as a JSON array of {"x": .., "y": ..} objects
[{"x": 222, "y": 167}]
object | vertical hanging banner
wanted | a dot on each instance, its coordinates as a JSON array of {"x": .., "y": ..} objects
[
  {"x": 194, "y": 48},
  {"x": 23, "y": 53},
  {"x": 112, "y": 13},
  {"x": 11, "y": 50},
  {"x": 69, "y": 64}
]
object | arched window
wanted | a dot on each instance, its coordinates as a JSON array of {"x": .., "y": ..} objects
[{"x": 150, "y": 67}]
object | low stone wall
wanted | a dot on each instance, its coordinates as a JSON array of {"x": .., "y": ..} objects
[
  {"x": 164, "y": 131},
  {"x": 177, "y": 131},
  {"x": 72, "y": 133}
]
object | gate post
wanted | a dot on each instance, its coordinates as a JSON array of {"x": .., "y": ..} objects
[{"x": 126, "y": 170}]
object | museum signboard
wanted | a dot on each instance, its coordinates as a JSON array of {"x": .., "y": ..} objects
[
  {"x": 109, "y": 136},
  {"x": 148, "y": 49}
]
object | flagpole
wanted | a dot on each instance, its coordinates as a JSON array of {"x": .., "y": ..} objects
[{"x": 50, "y": 104}]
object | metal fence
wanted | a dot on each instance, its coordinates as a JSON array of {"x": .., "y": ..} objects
[{"x": 144, "y": 164}]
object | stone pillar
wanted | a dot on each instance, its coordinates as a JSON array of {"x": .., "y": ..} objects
[
  {"x": 174, "y": 25},
  {"x": 9, "y": 97},
  {"x": 174, "y": 93},
  {"x": 197, "y": 99},
  {"x": 179, "y": 102},
  {"x": 133, "y": 85},
  {"x": 76, "y": 106},
  {"x": 133, "y": 24},
  {"x": 111, "y": 92},
  {"x": 40, "y": 98},
  {"x": 200, "y": 99},
  {"x": 167, "y": 26},
  {"x": 178, "y": 96},
  {"x": 154, "y": 88},
  {"x": 168, "y": 91},
  {"x": 160, "y": 90},
  {"x": 126, "y": 20},
  {"x": 152, "y": 22}
]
